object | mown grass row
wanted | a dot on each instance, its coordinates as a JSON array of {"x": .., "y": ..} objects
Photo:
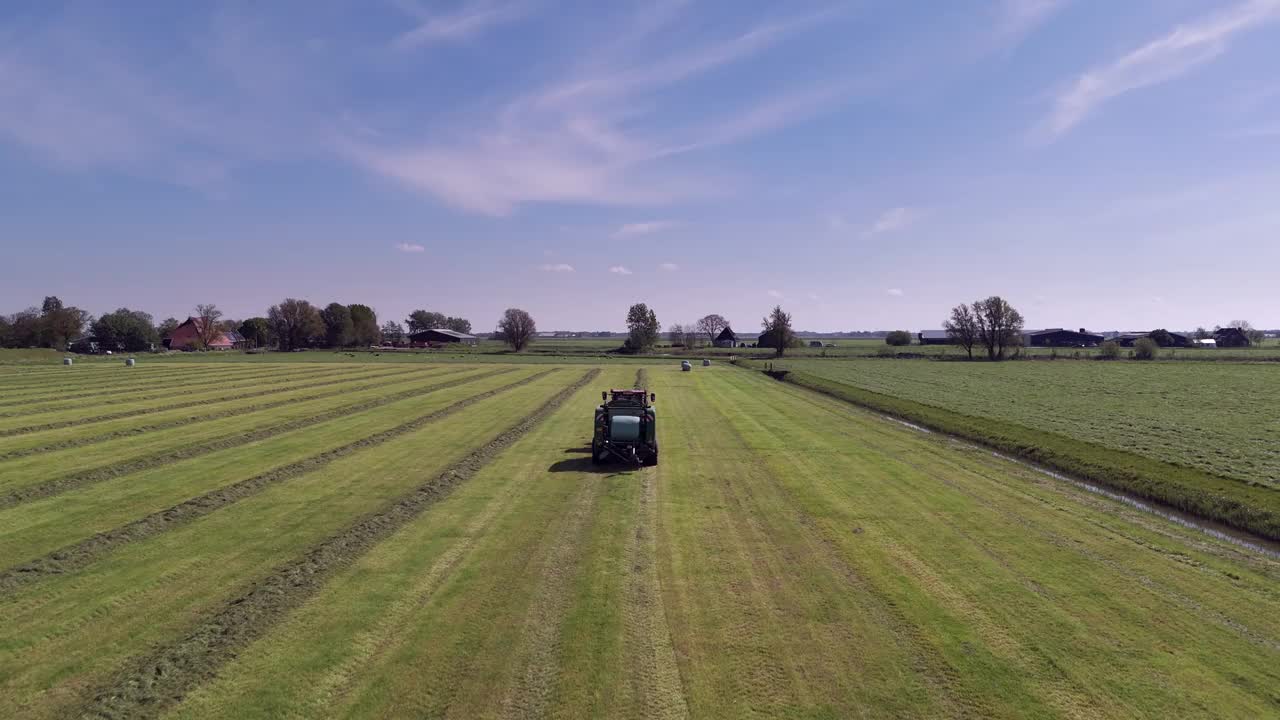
[
  {"x": 73, "y": 632},
  {"x": 68, "y": 528},
  {"x": 149, "y": 389},
  {"x": 182, "y": 447},
  {"x": 125, "y": 378},
  {"x": 1248, "y": 507},
  {"x": 156, "y": 426},
  {"x": 67, "y": 418}
]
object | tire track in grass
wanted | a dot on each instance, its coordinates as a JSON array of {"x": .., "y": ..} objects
[
  {"x": 540, "y": 636},
  {"x": 13, "y": 408},
  {"x": 81, "y": 554},
  {"x": 172, "y": 406},
  {"x": 229, "y": 412},
  {"x": 656, "y": 689},
  {"x": 151, "y": 684}
]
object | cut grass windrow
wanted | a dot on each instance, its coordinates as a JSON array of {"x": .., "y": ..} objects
[
  {"x": 152, "y": 683},
  {"x": 174, "y": 455},
  {"x": 81, "y": 554},
  {"x": 237, "y": 411},
  {"x": 119, "y": 377},
  {"x": 254, "y": 392},
  {"x": 153, "y": 388},
  {"x": 1252, "y": 508}
]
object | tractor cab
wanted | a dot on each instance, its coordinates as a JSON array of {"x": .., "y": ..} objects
[{"x": 625, "y": 427}]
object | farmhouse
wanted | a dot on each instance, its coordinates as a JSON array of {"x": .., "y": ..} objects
[
  {"x": 440, "y": 335},
  {"x": 934, "y": 337},
  {"x": 1230, "y": 337},
  {"x": 726, "y": 339},
  {"x": 1058, "y": 337},
  {"x": 187, "y": 337}
]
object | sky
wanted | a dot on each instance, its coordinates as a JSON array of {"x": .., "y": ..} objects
[{"x": 865, "y": 164}]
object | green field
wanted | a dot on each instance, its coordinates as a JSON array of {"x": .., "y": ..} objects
[{"x": 428, "y": 539}]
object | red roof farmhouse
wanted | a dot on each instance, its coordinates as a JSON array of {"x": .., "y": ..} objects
[{"x": 187, "y": 337}]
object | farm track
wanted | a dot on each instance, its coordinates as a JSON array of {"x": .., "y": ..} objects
[
  {"x": 258, "y": 391},
  {"x": 378, "y": 380},
  {"x": 149, "y": 685},
  {"x": 84, "y": 553},
  {"x": 170, "y": 456},
  {"x": 152, "y": 386}
]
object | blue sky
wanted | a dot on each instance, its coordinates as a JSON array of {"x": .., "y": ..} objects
[{"x": 869, "y": 164}]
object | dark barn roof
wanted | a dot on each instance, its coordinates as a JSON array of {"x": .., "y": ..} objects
[
  {"x": 1061, "y": 337},
  {"x": 727, "y": 334},
  {"x": 442, "y": 335}
]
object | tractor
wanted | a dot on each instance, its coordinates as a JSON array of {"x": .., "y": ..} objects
[{"x": 626, "y": 428}]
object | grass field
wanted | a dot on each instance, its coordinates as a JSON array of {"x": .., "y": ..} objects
[{"x": 264, "y": 540}]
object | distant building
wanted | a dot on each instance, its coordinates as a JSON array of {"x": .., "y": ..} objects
[
  {"x": 1059, "y": 337},
  {"x": 1231, "y": 337},
  {"x": 815, "y": 343},
  {"x": 1206, "y": 343},
  {"x": 1129, "y": 338},
  {"x": 726, "y": 339},
  {"x": 934, "y": 337},
  {"x": 438, "y": 336},
  {"x": 187, "y": 337}
]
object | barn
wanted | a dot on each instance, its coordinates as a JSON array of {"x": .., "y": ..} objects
[
  {"x": 934, "y": 337},
  {"x": 726, "y": 339},
  {"x": 439, "y": 336},
  {"x": 187, "y": 337},
  {"x": 1129, "y": 338},
  {"x": 1059, "y": 337},
  {"x": 1230, "y": 337}
]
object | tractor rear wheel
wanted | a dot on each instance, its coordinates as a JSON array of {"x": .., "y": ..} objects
[{"x": 595, "y": 454}]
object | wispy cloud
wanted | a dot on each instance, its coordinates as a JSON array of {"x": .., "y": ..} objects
[
  {"x": 1159, "y": 61},
  {"x": 619, "y": 270},
  {"x": 1019, "y": 18},
  {"x": 410, "y": 247},
  {"x": 669, "y": 267},
  {"x": 469, "y": 19},
  {"x": 556, "y": 267},
  {"x": 895, "y": 292},
  {"x": 606, "y": 129},
  {"x": 775, "y": 294},
  {"x": 895, "y": 219},
  {"x": 644, "y": 228}
]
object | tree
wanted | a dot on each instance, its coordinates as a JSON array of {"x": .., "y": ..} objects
[
  {"x": 458, "y": 324},
  {"x": 711, "y": 326},
  {"x": 1162, "y": 337},
  {"x": 393, "y": 332},
  {"x": 207, "y": 329},
  {"x": 898, "y": 338},
  {"x": 167, "y": 327},
  {"x": 420, "y": 320},
  {"x": 516, "y": 328},
  {"x": 777, "y": 331},
  {"x": 59, "y": 324},
  {"x": 962, "y": 328},
  {"x": 1109, "y": 350},
  {"x": 296, "y": 323},
  {"x": 1254, "y": 335},
  {"x": 676, "y": 333},
  {"x": 257, "y": 332},
  {"x": 642, "y": 328},
  {"x": 25, "y": 328},
  {"x": 999, "y": 325},
  {"x": 338, "y": 327},
  {"x": 1145, "y": 348},
  {"x": 1202, "y": 333},
  {"x": 126, "y": 329},
  {"x": 364, "y": 325}
]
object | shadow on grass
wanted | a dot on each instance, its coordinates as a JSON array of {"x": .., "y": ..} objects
[{"x": 584, "y": 465}]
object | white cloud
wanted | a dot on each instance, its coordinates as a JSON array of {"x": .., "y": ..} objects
[
  {"x": 895, "y": 219},
  {"x": 775, "y": 294},
  {"x": 644, "y": 228},
  {"x": 896, "y": 292},
  {"x": 557, "y": 267},
  {"x": 1018, "y": 18},
  {"x": 604, "y": 129},
  {"x": 410, "y": 247},
  {"x": 619, "y": 270},
  {"x": 669, "y": 267},
  {"x": 471, "y": 19},
  {"x": 1159, "y": 61}
]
